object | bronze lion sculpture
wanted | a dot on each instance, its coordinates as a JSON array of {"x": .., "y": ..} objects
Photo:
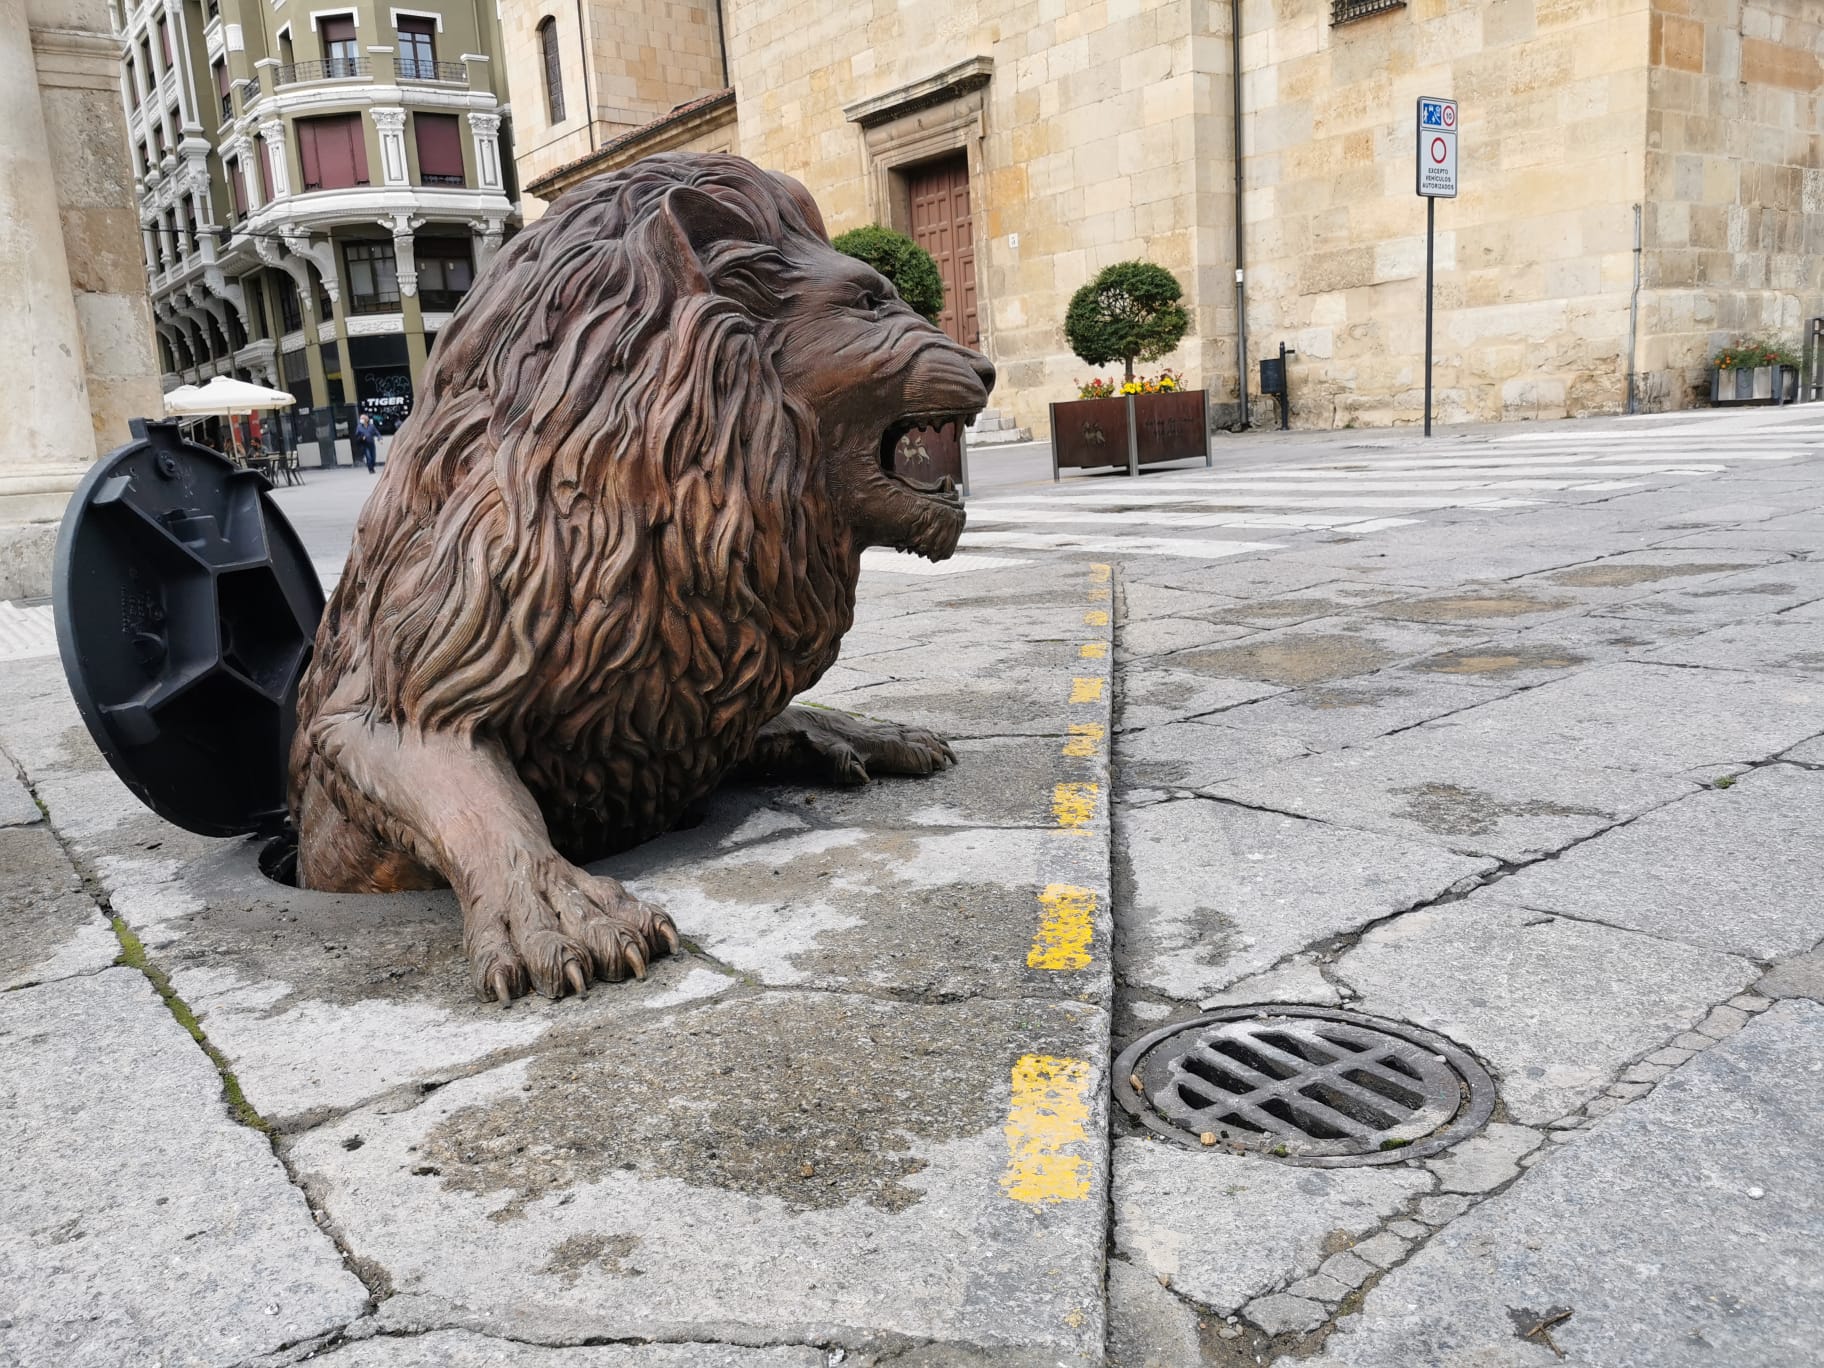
[{"x": 620, "y": 533}]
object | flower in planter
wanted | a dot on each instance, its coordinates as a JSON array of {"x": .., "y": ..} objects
[
  {"x": 1096, "y": 389},
  {"x": 1754, "y": 353}
]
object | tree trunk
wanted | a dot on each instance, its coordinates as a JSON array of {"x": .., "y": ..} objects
[{"x": 1130, "y": 367}]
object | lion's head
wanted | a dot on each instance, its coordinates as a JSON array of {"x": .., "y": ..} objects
[
  {"x": 687, "y": 261},
  {"x": 629, "y": 506}
]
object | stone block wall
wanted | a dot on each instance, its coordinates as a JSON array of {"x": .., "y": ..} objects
[
  {"x": 1533, "y": 259},
  {"x": 643, "y": 59},
  {"x": 1735, "y": 181},
  {"x": 1104, "y": 137}
]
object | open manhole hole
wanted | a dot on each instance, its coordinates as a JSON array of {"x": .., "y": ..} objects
[{"x": 1305, "y": 1084}]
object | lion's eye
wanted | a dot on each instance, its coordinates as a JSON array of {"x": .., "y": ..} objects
[{"x": 872, "y": 302}]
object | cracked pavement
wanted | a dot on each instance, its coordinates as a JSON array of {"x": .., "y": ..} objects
[{"x": 1543, "y": 776}]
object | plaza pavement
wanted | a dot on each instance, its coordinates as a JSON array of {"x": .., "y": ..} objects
[{"x": 1514, "y": 736}]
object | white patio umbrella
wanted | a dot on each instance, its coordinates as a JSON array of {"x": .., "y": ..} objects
[
  {"x": 224, "y": 395},
  {"x": 178, "y": 398}
]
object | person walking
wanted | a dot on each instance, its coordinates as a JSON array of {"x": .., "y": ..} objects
[{"x": 367, "y": 439}]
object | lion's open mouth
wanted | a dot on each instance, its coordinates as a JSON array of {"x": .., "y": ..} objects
[{"x": 921, "y": 510}]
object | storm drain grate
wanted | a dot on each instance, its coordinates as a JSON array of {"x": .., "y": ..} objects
[{"x": 1305, "y": 1084}]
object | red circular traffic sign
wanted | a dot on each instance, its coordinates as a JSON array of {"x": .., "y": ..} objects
[
  {"x": 1439, "y": 151},
  {"x": 1450, "y": 117}
]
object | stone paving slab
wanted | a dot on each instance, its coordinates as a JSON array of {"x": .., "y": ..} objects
[
  {"x": 462, "y": 1349},
  {"x": 1319, "y": 651},
  {"x": 1643, "y": 717},
  {"x": 141, "y": 1223},
  {"x": 1429, "y": 784},
  {"x": 17, "y": 807},
  {"x": 1636, "y": 575},
  {"x": 772, "y": 1166},
  {"x": 945, "y": 913},
  {"x": 1158, "y": 693},
  {"x": 1195, "y": 755},
  {"x": 1214, "y": 892},
  {"x": 972, "y": 909},
  {"x": 1554, "y": 1007},
  {"x": 1224, "y": 1229},
  {"x": 1681, "y": 1230},
  {"x": 1784, "y": 644},
  {"x": 49, "y": 927},
  {"x": 1330, "y": 716},
  {"x": 1743, "y": 594},
  {"x": 1735, "y": 869}
]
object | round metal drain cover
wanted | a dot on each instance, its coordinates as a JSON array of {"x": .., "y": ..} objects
[{"x": 1305, "y": 1084}]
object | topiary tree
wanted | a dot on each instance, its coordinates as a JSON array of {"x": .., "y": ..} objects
[
  {"x": 907, "y": 266},
  {"x": 1129, "y": 312}
]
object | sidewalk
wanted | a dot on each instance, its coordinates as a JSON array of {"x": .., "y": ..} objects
[
  {"x": 1545, "y": 778},
  {"x": 865, "y": 1108}
]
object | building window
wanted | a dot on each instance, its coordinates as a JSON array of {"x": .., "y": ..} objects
[
  {"x": 554, "y": 70},
  {"x": 133, "y": 95},
  {"x": 446, "y": 269},
  {"x": 1342, "y": 11},
  {"x": 439, "y": 149},
  {"x": 220, "y": 68},
  {"x": 291, "y": 308},
  {"x": 417, "y": 60},
  {"x": 255, "y": 294},
  {"x": 286, "y": 56},
  {"x": 237, "y": 186},
  {"x": 164, "y": 41},
  {"x": 145, "y": 62},
  {"x": 339, "y": 46},
  {"x": 373, "y": 277},
  {"x": 332, "y": 152}
]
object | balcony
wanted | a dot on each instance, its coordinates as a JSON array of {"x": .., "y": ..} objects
[
  {"x": 417, "y": 69},
  {"x": 432, "y": 178},
  {"x": 330, "y": 69}
]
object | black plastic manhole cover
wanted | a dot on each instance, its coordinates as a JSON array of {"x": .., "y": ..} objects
[{"x": 1305, "y": 1084}]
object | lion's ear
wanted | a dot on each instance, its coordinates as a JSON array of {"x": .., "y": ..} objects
[{"x": 695, "y": 222}]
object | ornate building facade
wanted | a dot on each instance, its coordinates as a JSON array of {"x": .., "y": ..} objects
[
  {"x": 1031, "y": 142},
  {"x": 318, "y": 186}
]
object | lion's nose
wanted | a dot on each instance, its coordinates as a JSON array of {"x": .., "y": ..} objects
[{"x": 984, "y": 369}]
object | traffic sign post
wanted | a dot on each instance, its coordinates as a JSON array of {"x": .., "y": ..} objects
[{"x": 1437, "y": 179}]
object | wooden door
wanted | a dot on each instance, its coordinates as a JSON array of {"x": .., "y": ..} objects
[{"x": 942, "y": 225}]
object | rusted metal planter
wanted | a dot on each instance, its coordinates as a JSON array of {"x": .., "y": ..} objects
[
  {"x": 928, "y": 453},
  {"x": 1129, "y": 430},
  {"x": 1746, "y": 385}
]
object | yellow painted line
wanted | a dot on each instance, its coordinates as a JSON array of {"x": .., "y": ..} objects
[
  {"x": 1066, "y": 926},
  {"x": 1096, "y": 617},
  {"x": 1049, "y": 1112},
  {"x": 1098, "y": 573},
  {"x": 1093, "y": 650},
  {"x": 1074, "y": 805},
  {"x": 1084, "y": 738},
  {"x": 1084, "y": 690},
  {"x": 1098, "y": 596}
]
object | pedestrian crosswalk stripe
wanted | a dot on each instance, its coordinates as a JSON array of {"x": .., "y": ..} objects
[{"x": 1117, "y": 545}]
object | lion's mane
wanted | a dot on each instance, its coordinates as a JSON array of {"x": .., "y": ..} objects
[{"x": 602, "y": 539}]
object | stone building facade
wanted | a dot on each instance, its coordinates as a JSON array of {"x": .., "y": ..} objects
[
  {"x": 76, "y": 358},
  {"x": 1045, "y": 139},
  {"x": 317, "y": 186}
]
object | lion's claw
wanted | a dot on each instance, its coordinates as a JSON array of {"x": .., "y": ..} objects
[{"x": 558, "y": 929}]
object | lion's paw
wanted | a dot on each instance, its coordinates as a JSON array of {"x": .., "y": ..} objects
[
  {"x": 897, "y": 749},
  {"x": 856, "y": 749},
  {"x": 559, "y": 930}
]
